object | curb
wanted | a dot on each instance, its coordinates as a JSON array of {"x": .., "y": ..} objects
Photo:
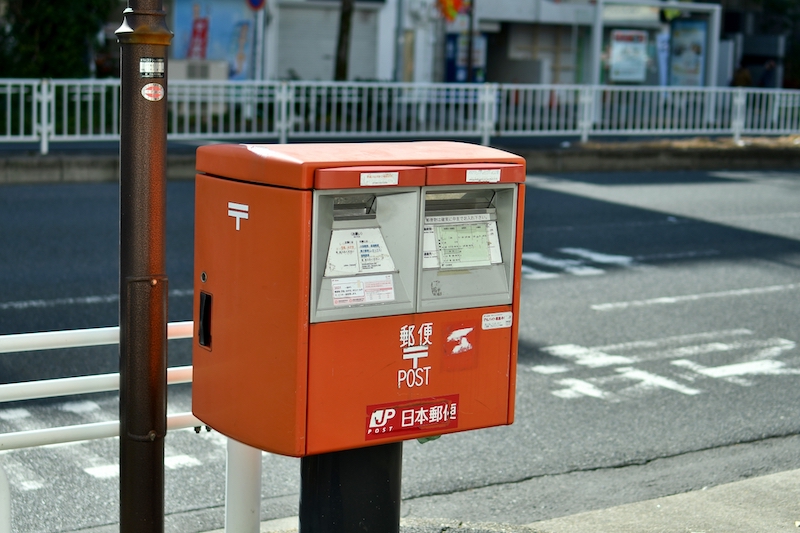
[{"x": 616, "y": 157}]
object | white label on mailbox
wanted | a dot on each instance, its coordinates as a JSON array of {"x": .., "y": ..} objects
[
  {"x": 430, "y": 255},
  {"x": 497, "y": 320},
  {"x": 362, "y": 290},
  {"x": 483, "y": 176},
  {"x": 372, "y": 179},
  {"x": 453, "y": 219},
  {"x": 494, "y": 243},
  {"x": 358, "y": 251},
  {"x": 463, "y": 245},
  {"x": 430, "y": 259}
]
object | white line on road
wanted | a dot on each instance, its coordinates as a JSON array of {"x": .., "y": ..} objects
[
  {"x": 572, "y": 266},
  {"x": 766, "y": 367},
  {"x": 597, "y": 257},
  {"x": 587, "y": 356},
  {"x": 653, "y": 381},
  {"x": 665, "y": 300},
  {"x": 103, "y": 471},
  {"x": 577, "y": 388},
  {"x": 532, "y": 273},
  {"x": 180, "y": 461},
  {"x": 550, "y": 369},
  {"x": 82, "y": 300},
  {"x": 676, "y": 339}
]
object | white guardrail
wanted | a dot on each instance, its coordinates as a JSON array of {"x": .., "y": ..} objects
[
  {"x": 243, "y": 478},
  {"x": 46, "y": 111}
]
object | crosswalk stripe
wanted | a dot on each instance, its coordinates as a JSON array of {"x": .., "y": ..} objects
[
  {"x": 597, "y": 257},
  {"x": 571, "y": 266}
]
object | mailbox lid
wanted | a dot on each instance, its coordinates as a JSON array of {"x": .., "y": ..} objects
[
  {"x": 369, "y": 177},
  {"x": 475, "y": 173},
  {"x": 295, "y": 165}
]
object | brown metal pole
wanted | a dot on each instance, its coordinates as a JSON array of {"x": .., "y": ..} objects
[{"x": 144, "y": 38}]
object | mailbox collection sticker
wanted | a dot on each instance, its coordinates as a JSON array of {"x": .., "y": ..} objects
[
  {"x": 362, "y": 290},
  {"x": 413, "y": 417},
  {"x": 373, "y": 179},
  {"x": 358, "y": 251},
  {"x": 460, "y": 243}
]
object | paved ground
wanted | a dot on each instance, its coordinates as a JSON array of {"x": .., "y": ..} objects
[{"x": 767, "y": 504}]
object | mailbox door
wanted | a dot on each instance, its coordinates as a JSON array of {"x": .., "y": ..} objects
[
  {"x": 252, "y": 253},
  {"x": 364, "y": 235},
  {"x": 387, "y": 379}
]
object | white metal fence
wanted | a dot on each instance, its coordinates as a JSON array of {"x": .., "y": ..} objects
[
  {"x": 85, "y": 110},
  {"x": 243, "y": 481}
]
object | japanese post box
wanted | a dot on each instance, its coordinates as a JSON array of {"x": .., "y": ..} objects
[{"x": 348, "y": 295}]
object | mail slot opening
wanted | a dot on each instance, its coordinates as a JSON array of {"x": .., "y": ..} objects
[
  {"x": 354, "y": 207},
  {"x": 467, "y": 246},
  {"x": 363, "y": 253},
  {"x": 461, "y": 200}
]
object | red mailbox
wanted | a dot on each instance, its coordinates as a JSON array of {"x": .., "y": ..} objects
[{"x": 355, "y": 294}]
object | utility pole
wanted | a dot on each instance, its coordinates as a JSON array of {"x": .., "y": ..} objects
[
  {"x": 343, "y": 42},
  {"x": 471, "y": 43},
  {"x": 144, "y": 39}
]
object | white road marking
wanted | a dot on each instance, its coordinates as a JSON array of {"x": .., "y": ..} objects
[
  {"x": 653, "y": 381},
  {"x": 21, "y": 476},
  {"x": 766, "y": 367},
  {"x": 103, "y": 471},
  {"x": 14, "y": 413},
  {"x": 532, "y": 273},
  {"x": 571, "y": 266},
  {"x": 578, "y": 387},
  {"x": 180, "y": 461},
  {"x": 753, "y": 357},
  {"x": 83, "y": 300},
  {"x": 676, "y": 339},
  {"x": 550, "y": 369},
  {"x": 603, "y": 259},
  {"x": 768, "y": 348},
  {"x": 665, "y": 300},
  {"x": 587, "y": 356},
  {"x": 79, "y": 408}
]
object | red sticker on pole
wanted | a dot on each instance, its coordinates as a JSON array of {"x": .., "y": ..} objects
[
  {"x": 153, "y": 92},
  {"x": 411, "y": 418}
]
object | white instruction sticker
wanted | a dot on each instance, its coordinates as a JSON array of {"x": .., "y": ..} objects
[
  {"x": 463, "y": 245},
  {"x": 358, "y": 251},
  {"x": 483, "y": 176},
  {"x": 497, "y": 320},
  {"x": 430, "y": 253},
  {"x": 362, "y": 290},
  {"x": 372, "y": 179}
]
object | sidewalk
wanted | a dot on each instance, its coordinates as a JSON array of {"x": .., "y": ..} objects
[{"x": 768, "y": 504}]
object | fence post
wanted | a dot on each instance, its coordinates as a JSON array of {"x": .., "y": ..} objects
[
  {"x": 5, "y": 503},
  {"x": 737, "y": 121},
  {"x": 488, "y": 100},
  {"x": 283, "y": 122},
  {"x": 43, "y": 124},
  {"x": 242, "y": 489},
  {"x": 586, "y": 98}
]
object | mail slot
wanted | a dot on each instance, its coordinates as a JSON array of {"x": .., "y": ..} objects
[{"x": 348, "y": 295}]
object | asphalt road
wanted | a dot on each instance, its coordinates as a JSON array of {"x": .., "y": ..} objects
[{"x": 658, "y": 354}]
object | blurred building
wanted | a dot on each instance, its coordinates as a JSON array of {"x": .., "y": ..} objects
[{"x": 509, "y": 41}]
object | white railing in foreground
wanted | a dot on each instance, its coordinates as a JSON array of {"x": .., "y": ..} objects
[
  {"x": 88, "y": 110},
  {"x": 244, "y": 463}
]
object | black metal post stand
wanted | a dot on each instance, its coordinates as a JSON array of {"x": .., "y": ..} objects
[
  {"x": 144, "y": 38},
  {"x": 353, "y": 490}
]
